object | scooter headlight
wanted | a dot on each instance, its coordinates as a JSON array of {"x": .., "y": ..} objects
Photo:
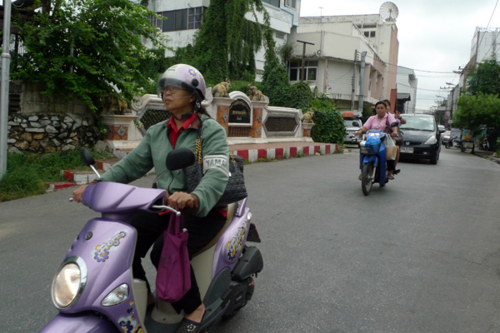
[{"x": 69, "y": 282}]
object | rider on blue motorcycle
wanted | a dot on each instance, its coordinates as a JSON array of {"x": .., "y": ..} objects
[
  {"x": 380, "y": 122},
  {"x": 182, "y": 89}
]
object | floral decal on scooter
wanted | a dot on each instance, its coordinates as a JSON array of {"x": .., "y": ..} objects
[
  {"x": 102, "y": 250},
  {"x": 236, "y": 243},
  {"x": 130, "y": 325}
]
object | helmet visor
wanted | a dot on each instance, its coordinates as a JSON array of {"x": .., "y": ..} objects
[{"x": 172, "y": 85}]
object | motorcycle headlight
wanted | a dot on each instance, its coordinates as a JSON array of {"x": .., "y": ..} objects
[
  {"x": 69, "y": 282},
  {"x": 432, "y": 140}
]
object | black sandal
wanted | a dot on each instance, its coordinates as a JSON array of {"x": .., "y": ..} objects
[{"x": 188, "y": 326}]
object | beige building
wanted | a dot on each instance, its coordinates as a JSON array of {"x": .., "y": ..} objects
[{"x": 331, "y": 66}]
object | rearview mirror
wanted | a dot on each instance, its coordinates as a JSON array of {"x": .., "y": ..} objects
[
  {"x": 442, "y": 130},
  {"x": 179, "y": 159},
  {"x": 86, "y": 157}
]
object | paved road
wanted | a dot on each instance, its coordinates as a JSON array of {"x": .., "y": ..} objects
[{"x": 420, "y": 255}]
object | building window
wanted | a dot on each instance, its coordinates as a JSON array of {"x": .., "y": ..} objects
[
  {"x": 275, "y": 3},
  {"x": 169, "y": 21},
  {"x": 280, "y": 35},
  {"x": 291, "y": 3},
  {"x": 369, "y": 34},
  {"x": 372, "y": 34},
  {"x": 155, "y": 22},
  {"x": 310, "y": 67},
  {"x": 182, "y": 19},
  {"x": 195, "y": 16}
]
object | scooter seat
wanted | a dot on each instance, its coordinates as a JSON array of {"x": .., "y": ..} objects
[{"x": 231, "y": 209}]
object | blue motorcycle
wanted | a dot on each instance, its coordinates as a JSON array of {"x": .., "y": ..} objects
[{"x": 373, "y": 161}]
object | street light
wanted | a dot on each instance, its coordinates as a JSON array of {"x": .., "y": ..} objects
[{"x": 4, "y": 94}]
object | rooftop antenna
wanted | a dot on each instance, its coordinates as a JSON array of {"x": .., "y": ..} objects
[{"x": 389, "y": 11}]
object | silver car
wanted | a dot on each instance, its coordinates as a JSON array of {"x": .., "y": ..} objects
[{"x": 351, "y": 127}]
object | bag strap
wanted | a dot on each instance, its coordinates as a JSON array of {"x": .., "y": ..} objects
[
  {"x": 387, "y": 125},
  {"x": 198, "y": 153},
  {"x": 176, "y": 224}
]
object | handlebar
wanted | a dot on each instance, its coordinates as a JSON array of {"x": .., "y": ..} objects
[{"x": 170, "y": 209}]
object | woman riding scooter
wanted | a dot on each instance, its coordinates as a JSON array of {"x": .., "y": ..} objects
[
  {"x": 379, "y": 122},
  {"x": 182, "y": 89}
]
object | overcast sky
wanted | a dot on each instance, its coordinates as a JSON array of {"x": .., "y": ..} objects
[{"x": 433, "y": 35}]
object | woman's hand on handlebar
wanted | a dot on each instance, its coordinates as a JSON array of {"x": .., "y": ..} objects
[
  {"x": 78, "y": 193},
  {"x": 182, "y": 200}
]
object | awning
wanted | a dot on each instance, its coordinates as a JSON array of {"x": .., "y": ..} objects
[{"x": 403, "y": 97}]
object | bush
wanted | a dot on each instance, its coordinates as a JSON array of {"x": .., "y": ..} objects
[
  {"x": 27, "y": 173},
  {"x": 329, "y": 126},
  {"x": 299, "y": 96}
]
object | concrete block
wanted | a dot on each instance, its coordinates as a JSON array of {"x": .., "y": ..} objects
[{"x": 81, "y": 179}]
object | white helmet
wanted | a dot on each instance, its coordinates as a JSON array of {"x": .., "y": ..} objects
[{"x": 185, "y": 76}]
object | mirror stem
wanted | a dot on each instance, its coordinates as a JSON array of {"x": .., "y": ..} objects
[{"x": 95, "y": 171}]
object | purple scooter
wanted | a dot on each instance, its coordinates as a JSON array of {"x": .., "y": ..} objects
[{"x": 94, "y": 289}]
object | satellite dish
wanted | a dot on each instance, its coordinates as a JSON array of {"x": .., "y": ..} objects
[{"x": 389, "y": 11}]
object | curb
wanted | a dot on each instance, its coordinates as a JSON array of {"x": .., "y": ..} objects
[
  {"x": 488, "y": 156},
  {"x": 253, "y": 155},
  {"x": 51, "y": 187},
  {"x": 250, "y": 155}
]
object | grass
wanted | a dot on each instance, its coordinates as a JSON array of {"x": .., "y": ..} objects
[
  {"x": 27, "y": 173},
  {"x": 263, "y": 160},
  {"x": 300, "y": 154}
]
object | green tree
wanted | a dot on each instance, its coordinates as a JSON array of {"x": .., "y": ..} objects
[
  {"x": 275, "y": 78},
  {"x": 476, "y": 111},
  {"x": 90, "y": 48},
  {"x": 226, "y": 43},
  {"x": 484, "y": 78}
]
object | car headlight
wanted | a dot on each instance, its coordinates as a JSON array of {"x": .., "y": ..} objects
[
  {"x": 69, "y": 282},
  {"x": 432, "y": 140}
]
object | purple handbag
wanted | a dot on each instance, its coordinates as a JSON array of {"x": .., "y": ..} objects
[{"x": 173, "y": 279}]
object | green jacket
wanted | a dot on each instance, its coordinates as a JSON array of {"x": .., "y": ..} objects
[{"x": 153, "y": 150}]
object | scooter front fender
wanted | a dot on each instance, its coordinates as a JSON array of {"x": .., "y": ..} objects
[{"x": 79, "y": 323}]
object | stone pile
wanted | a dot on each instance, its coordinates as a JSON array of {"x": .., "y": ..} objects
[{"x": 48, "y": 133}]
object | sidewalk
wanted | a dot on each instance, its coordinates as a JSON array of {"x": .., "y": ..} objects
[
  {"x": 487, "y": 154},
  {"x": 250, "y": 152}
]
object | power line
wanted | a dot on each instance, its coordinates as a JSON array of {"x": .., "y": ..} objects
[
  {"x": 487, "y": 26},
  {"x": 418, "y": 70}
]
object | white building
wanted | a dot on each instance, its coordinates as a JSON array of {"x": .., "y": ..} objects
[
  {"x": 407, "y": 83},
  {"x": 331, "y": 66},
  {"x": 485, "y": 44},
  {"x": 185, "y": 17}
]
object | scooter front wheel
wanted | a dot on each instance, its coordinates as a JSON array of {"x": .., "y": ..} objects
[{"x": 367, "y": 178}]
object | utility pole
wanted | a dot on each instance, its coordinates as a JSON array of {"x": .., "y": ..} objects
[
  {"x": 302, "y": 72},
  {"x": 353, "y": 78},
  {"x": 4, "y": 95},
  {"x": 361, "y": 82}
]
